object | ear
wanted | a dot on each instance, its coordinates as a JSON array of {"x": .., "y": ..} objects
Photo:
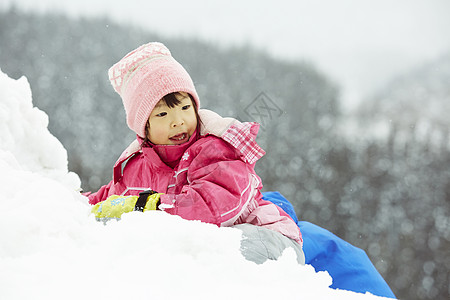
[{"x": 147, "y": 128}]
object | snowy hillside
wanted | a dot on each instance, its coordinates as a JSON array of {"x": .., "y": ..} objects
[
  {"x": 414, "y": 105},
  {"x": 421, "y": 96},
  {"x": 52, "y": 248}
]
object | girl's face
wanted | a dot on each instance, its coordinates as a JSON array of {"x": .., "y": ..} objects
[{"x": 172, "y": 126}]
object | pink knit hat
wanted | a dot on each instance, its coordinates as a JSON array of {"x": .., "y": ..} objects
[{"x": 143, "y": 77}]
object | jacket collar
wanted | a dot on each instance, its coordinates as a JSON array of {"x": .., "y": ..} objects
[{"x": 171, "y": 154}]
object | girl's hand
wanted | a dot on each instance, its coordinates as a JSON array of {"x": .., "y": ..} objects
[{"x": 114, "y": 206}]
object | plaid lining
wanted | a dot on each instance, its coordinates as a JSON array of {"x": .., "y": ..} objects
[{"x": 242, "y": 136}]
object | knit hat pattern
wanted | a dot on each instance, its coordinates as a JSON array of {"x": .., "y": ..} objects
[{"x": 143, "y": 77}]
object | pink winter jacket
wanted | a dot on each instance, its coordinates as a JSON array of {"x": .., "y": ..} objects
[{"x": 213, "y": 182}]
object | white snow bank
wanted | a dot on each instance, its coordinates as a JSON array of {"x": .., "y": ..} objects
[{"x": 52, "y": 248}]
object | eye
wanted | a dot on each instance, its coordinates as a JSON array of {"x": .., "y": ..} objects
[
  {"x": 161, "y": 114},
  {"x": 186, "y": 107}
]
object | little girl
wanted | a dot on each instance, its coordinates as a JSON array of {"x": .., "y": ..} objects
[{"x": 189, "y": 162}]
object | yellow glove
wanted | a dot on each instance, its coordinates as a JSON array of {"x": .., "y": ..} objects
[{"x": 114, "y": 206}]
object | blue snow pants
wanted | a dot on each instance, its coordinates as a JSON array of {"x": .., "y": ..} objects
[{"x": 349, "y": 266}]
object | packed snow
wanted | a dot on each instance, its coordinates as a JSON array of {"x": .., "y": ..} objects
[{"x": 51, "y": 247}]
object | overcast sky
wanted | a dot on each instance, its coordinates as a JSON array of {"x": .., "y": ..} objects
[{"x": 360, "y": 44}]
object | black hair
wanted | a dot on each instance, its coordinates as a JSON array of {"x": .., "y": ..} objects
[{"x": 172, "y": 101}]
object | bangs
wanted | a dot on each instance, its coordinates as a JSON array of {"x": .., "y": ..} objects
[{"x": 172, "y": 101}]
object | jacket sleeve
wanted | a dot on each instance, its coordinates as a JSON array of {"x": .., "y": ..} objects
[
  {"x": 100, "y": 195},
  {"x": 220, "y": 187}
]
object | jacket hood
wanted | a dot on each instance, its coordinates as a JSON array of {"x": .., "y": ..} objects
[{"x": 242, "y": 136}]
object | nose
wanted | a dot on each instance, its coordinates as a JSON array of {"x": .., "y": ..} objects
[{"x": 177, "y": 121}]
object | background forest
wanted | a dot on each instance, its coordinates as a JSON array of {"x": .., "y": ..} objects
[{"x": 379, "y": 178}]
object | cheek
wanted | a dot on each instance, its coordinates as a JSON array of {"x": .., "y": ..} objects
[
  {"x": 193, "y": 121},
  {"x": 156, "y": 132}
]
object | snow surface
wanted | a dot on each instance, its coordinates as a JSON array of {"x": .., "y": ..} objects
[{"x": 51, "y": 247}]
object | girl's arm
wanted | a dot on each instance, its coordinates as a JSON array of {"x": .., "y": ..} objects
[
  {"x": 100, "y": 195},
  {"x": 221, "y": 186}
]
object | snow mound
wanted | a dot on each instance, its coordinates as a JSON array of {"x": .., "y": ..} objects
[{"x": 52, "y": 248}]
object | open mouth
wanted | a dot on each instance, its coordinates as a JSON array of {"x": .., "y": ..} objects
[{"x": 180, "y": 138}]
